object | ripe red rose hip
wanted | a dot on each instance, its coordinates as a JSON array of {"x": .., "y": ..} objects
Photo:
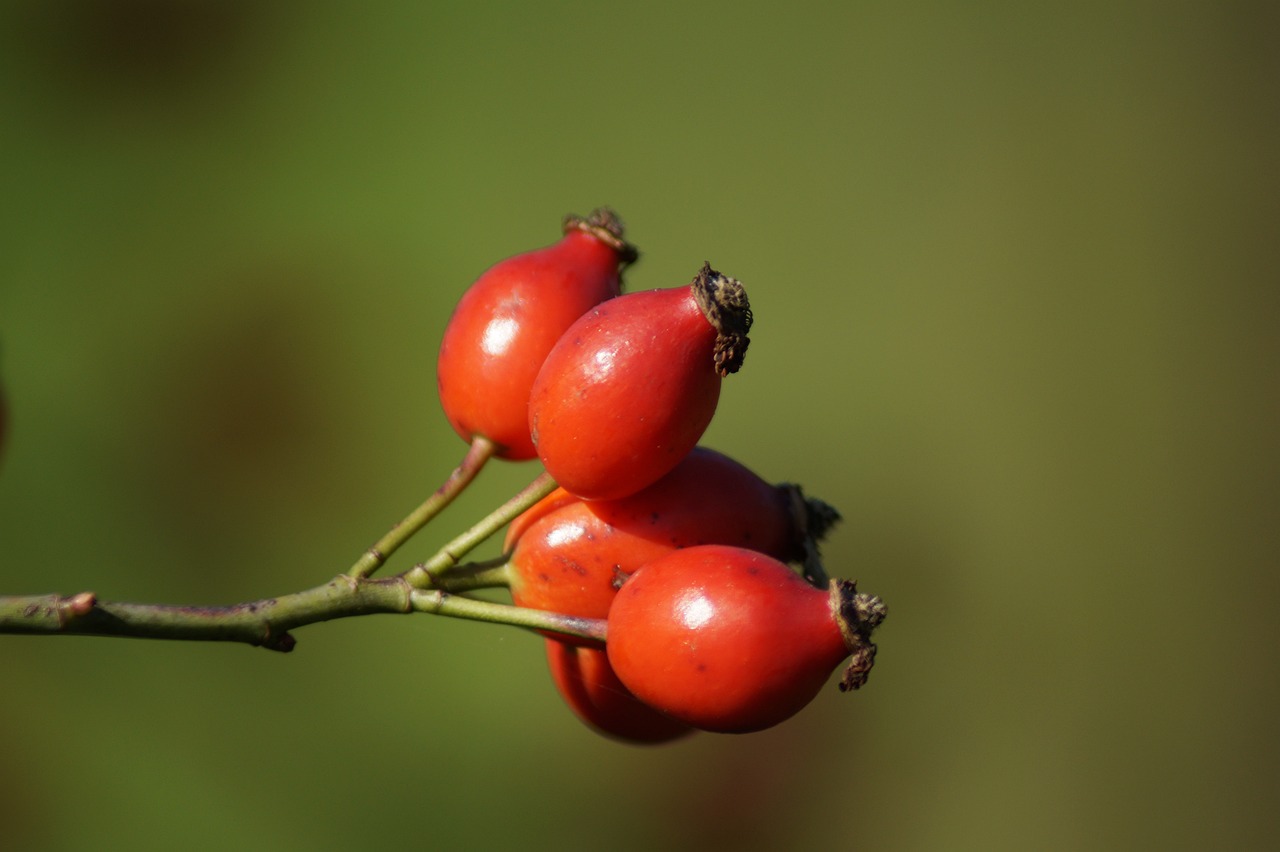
[
  {"x": 570, "y": 555},
  {"x": 630, "y": 387},
  {"x": 588, "y": 685},
  {"x": 509, "y": 319},
  {"x": 726, "y": 639}
]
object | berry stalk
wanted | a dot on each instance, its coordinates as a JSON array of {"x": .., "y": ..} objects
[
  {"x": 479, "y": 453},
  {"x": 439, "y": 602},
  {"x": 427, "y": 574}
]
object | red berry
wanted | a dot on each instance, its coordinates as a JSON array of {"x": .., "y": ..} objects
[
  {"x": 570, "y": 555},
  {"x": 726, "y": 639},
  {"x": 588, "y": 685},
  {"x": 629, "y": 389},
  {"x": 508, "y": 320}
]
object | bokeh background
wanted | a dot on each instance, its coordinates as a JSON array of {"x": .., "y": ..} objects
[{"x": 1014, "y": 268}]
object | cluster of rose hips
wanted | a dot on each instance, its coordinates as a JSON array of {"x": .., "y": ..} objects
[{"x": 683, "y": 550}]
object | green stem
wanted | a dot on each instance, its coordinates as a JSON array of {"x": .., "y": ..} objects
[
  {"x": 479, "y": 575},
  {"x": 267, "y": 622},
  {"x": 480, "y": 451},
  {"x": 427, "y": 574},
  {"x": 442, "y": 603}
]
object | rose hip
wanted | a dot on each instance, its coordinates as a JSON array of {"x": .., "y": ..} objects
[
  {"x": 588, "y": 685},
  {"x": 509, "y": 319},
  {"x": 630, "y": 387},
  {"x": 729, "y": 640}
]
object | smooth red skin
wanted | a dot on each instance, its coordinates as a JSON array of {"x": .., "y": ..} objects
[
  {"x": 557, "y": 498},
  {"x": 589, "y": 686},
  {"x": 536, "y": 296},
  {"x": 723, "y": 639},
  {"x": 568, "y": 555},
  {"x": 625, "y": 394}
]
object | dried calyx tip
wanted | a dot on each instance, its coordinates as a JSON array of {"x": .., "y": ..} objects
[
  {"x": 870, "y": 610},
  {"x": 724, "y": 302},
  {"x": 605, "y": 225},
  {"x": 859, "y": 668},
  {"x": 858, "y": 614},
  {"x": 820, "y": 517},
  {"x": 812, "y": 519}
]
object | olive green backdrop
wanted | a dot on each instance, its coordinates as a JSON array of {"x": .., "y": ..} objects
[{"x": 1014, "y": 273}]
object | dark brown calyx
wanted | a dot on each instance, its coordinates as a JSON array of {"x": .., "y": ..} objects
[
  {"x": 724, "y": 303},
  {"x": 606, "y": 226},
  {"x": 812, "y": 519},
  {"x": 858, "y": 614}
]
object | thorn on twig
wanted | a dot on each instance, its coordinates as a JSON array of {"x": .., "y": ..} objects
[{"x": 284, "y": 643}]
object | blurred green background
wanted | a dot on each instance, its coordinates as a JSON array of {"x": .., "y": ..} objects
[{"x": 1014, "y": 269}]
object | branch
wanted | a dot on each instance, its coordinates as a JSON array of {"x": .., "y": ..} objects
[{"x": 267, "y": 622}]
